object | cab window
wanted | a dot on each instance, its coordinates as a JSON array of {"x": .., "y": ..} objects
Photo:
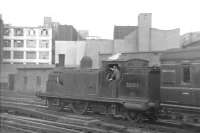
[{"x": 113, "y": 72}]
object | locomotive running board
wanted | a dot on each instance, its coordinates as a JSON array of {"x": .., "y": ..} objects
[{"x": 98, "y": 99}]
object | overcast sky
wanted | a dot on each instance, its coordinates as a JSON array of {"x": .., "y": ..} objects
[{"x": 100, "y": 16}]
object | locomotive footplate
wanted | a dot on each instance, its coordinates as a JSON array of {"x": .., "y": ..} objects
[{"x": 137, "y": 104}]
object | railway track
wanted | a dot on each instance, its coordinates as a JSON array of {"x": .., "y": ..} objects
[
  {"x": 28, "y": 125},
  {"x": 22, "y": 100},
  {"x": 32, "y": 112},
  {"x": 48, "y": 126},
  {"x": 81, "y": 123}
]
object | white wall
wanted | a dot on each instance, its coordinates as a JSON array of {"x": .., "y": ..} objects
[
  {"x": 73, "y": 50},
  {"x": 164, "y": 39},
  {"x": 128, "y": 44},
  {"x": 95, "y": 47}
]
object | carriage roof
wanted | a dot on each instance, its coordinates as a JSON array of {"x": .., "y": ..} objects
[{"x": 181, "y": 54}]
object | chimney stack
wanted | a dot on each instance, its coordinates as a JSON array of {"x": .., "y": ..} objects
[
  {"x": 47, "y": 22},
  {"x": 144, "y": 32}
]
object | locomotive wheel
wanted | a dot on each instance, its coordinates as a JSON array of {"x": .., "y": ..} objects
[
  {"x": 152, "y": 117},
  {"x": 54, "y": 105},
  {"x": 79, "y": 107},
  {"x": 135, "y": 116},
  {"x": 131, "y": 115},
  {"x": 139, "y": 118}
]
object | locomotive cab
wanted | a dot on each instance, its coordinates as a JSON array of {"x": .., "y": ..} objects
[{"x": 138, "y": 85}]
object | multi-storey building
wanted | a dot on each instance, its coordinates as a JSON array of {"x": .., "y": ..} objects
[
  {"x": 1, "y": 38},
  {"x": 27, "y": 45}
]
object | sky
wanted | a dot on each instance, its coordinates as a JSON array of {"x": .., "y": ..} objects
[{"x": 100, "y": 16}]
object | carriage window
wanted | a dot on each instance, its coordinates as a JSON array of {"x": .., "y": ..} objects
[
  {"x": 168, "y": 76},
  {"x": 186, "y": 73}
]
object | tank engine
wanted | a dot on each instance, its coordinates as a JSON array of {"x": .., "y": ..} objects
[{"x": 134, "y": 93}]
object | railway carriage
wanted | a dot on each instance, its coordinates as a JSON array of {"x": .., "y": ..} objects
[{"x": 180, "y": 84}]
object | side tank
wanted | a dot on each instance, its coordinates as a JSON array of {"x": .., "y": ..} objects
[{"x": 74, "y": 83}]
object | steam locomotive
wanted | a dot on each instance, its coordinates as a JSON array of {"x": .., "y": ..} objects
[{"x": 170, "y": 91}]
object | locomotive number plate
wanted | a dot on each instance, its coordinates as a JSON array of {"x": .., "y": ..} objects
[{"x": 132, "y": 85}]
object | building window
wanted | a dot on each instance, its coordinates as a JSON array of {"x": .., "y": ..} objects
[
  {"x": 42, "y": 63},
  {"x": 5, "y": 62},
  {"x": 44, "y": 44},
  {"x": 6, "y": 31},
  {"x": 32, "y": 63},
  {"x": 44, "y": 32},
  {"x": 31, "y": 32},
  {"x": 18, "y": 32},
  {"x": 17, "y": 62},
  {"x": 30, "y": 55},
  {"x": 25, "y": 80},
  {"x": 43, "y": 55},
  {"x": 31, "y": 43},
  {"x": 18, "y": 43},
  {"x": 18, "y": 54},
  {"x": 7, "y": 43},
  {"x": 6, "y": 54},
  {"x": 38, "y": 81},
  {"x": 186, "y": 73}
]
